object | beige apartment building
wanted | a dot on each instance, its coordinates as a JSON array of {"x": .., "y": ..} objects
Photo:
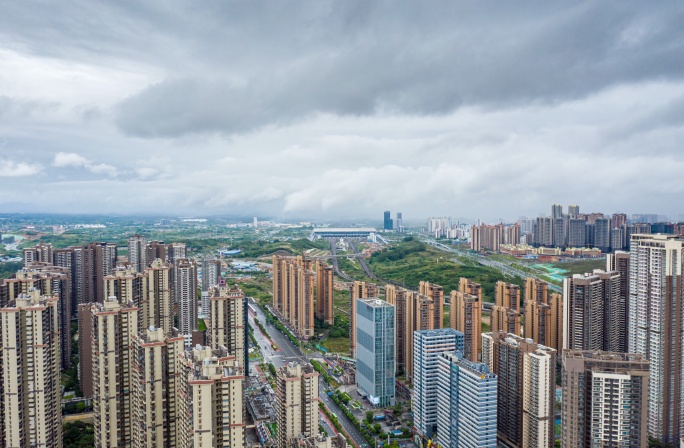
[
  {"x": 296, "y": 403},
  {"x": 294, "y": 292},
  {"x": 359, "y": 290},
  {"x": 543, "y": 315},
  {"x": 466, "y": 316},
  {"x": 154, "y": 402},
  {"x": 114, "y": 326},
  {"x": 420, "y": 315},
  {"x": 526, "y": 389},
  {"x": 210, "y": 385},
  {"x": 226, "y": 326},
  {"x": 30, "y": 395},
  {"x": 399, "y": 298},
  {"x": 506, "y": 310}
]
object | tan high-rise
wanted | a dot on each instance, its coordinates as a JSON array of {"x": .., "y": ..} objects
[
  {"x": 526, "y": 389},
  {"x": 296, "y": 402},
  {"x": 226, "y": 326},
  {"x": 185, "y": 291},
  {"x": 293, "y": 292},
  {"x": 324, "y": 292},
  {"x": 114, "y": 326},
  {"x": 466, "y": 316},
  {"x": 154, "y": 401},
  {"x": 506, "y": 311},
  {"x": 41, "y": 253},
  {"x": 420, "y": 315},
  {"x": 543, "y": 315},
  {"x": 137, "y": 253},
  {"x": 436, "y": 293},
  {"x": 399, "y": 298},
  {"x": 359, "y": 290},
  {"x": 210, "y": 393},
  {"x": 30, "y": 392}
]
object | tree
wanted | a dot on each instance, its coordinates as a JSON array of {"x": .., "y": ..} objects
[
  {"x": 377, "y": 428},
  {"x": 369, "y": 417}
]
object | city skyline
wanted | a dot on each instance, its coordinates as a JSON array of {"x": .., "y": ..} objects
[{"x": 119, "y": 108}]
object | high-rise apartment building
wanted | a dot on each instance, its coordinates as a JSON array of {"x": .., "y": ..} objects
[
  {"x": 436, "y": 293},
  {"x": 556, "y": 211},
  {"x": 593, "y": 315},
  {"x": 573, "y": 211},
  {"x": 420, "y": 315},
  {"x": 41, "y": 253},
  {"x": 399, "y": 223},
  {"x": 619, "y": 220},
  {"x": 359, "y": 290},
  {"x": 185, "y": 290},
  {"x": 375, "y": 362},
  {"x": 210, "y": 399},
  {"x": 399, "y": 298},
  {"x": 296, "y": 402},
  {"x": 619, "y": 261},
  {"x": 30, "y": 393},
  {"x": 324, "y": 292},
  {"x": 602, "y": 234},
  {"x": 543, "y": 315},
  {"x": 89, "y": 265},
  {"x": 543, "y": 232},
  {"x": 466, "y": 403},
  {"x": 428, "y": 345},
  {"x": 577, "y": 233},
  {"x": 656, "y": 327},
  {"x": 154, "y": 398},
  {"x": 506, "y": 310},
  {"x": 293, "y": 292},
  {"x": 466, "y": 316},
  {"x": 85, "y": 349},
  {"x": 48, "y": 280},
  {"x": 605, "y": 396},
  {"x": 211, "y": 271},
  {"x": 560, "y": 232},
  {"x": 114, "y": 325},
  {"x": 227, "y": 321},
  {"x": 137, "y": 253},
  {"x": 526, "y": 389}
]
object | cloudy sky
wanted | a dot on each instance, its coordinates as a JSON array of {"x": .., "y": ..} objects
[{"x": 341, "y": 108}]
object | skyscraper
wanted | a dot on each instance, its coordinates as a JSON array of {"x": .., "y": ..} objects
[
  {"x": 359, "y": 290},
  {"x": 655, "y": 327},
  {"x": 593, "y": 315},
  {"x": 387, "y": 221},
  {"x": 226, "y": 326},
  {"x": 543, "y": 315},
  {"x": 114, "y": 326},
  {"x": 573, "y": 211},
  {"x": 154, "y": 380},
  {"x": 137, "y": 253},
  {"x": 41, "y": 253},
  {"x": 30, "y": 393},
  {"x": 185, "y": 289},
  {"x": 602, "y": 234},
  {"x": 526, "y": 389},
  {"x": 294, "y": 292},
  {"x": 605, "y": 397},
  {"x": 399, "y": 223},
  {"x": 211, "y": 271},
  {"x": 420, "y": 315},
  {"x": 399, "y": 298},
  {"x": 506, "y": 311},
  {"x": 324, "y": 292},
  {"x": 556, "y": 211},
  {"x": 577, "y": 233},
  {"x": 466, "y": 403},
  {"x": 210, "y": 399},
  {"x": 375, "y": 362},
  {"x": 619, "y": 261},
  {"x": 436, "y": 293},
  {"x": 296, "y": 402},
  {"x": 428, "y": 345},
  {"x": 466, "y": 316}
]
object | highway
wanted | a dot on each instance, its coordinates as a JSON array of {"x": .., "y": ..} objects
[{"x": 288, "y": 352}]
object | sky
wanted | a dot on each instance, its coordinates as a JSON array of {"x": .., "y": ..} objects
[{"x": 332, "y": 109}]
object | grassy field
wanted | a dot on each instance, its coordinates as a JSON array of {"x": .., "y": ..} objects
[
  {"x": 581, "y": 266},
  {"x": 410, "y": 262},
  {"x": 337, "y": 345}
]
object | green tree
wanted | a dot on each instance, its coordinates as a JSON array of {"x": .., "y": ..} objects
[
  {"x": 377, "y": 428},
  {"x": 369, "y": 417}
]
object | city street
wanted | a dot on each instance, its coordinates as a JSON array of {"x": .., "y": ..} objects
[{"x": 287, "y": 352}]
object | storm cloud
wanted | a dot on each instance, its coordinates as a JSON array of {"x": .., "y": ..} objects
[{"x": 487, "y": 110}]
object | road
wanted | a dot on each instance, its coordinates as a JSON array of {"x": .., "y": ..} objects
[
  {"x": 367, "y": 270},
  {"x": 288, "y": 352},
  {"x": 336, "y": 266}
]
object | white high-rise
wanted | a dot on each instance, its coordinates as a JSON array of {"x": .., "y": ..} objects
[{"x": 656, "y": 327}]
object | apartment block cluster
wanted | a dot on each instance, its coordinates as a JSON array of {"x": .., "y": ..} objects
[
  {"x": 444, "y": 227},
  {"x": 572, "y": 234},
  {"x": 473, "y": 389},
  {"x": 302, "y": 290},
  {"x": 152, "y": 383}
]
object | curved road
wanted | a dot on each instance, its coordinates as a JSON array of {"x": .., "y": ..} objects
[{"x": 367, "y": 270}]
